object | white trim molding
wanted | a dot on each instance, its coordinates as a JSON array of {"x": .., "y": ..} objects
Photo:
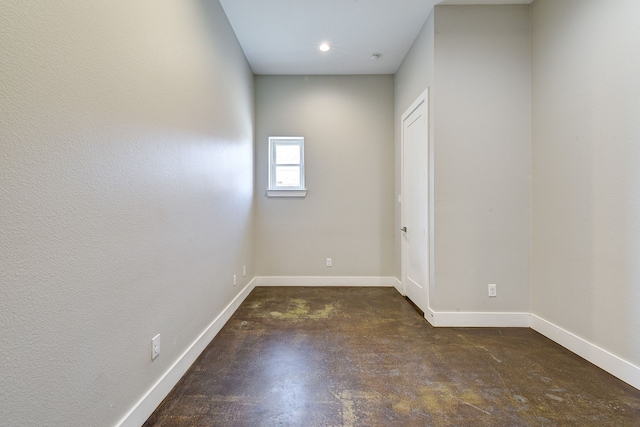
[
  {"x": 477, "y": 319},
  {"x": 286, "y": 193},
  {"x": 600, "y": 357},
  {"x": 152, "y": 399},
  {"x": 398, "y": 285},
  {"x": 605, "y": 360},
  {"x": 309, "y": 281}
]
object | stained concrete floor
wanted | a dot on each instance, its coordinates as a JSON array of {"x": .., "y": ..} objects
[{"x": 364, "y": 357}]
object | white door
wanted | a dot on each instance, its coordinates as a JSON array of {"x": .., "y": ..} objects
[{"x": 415, "y": 202}]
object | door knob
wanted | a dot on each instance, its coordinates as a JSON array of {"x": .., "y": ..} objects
[{"x": 404, "y": 229}]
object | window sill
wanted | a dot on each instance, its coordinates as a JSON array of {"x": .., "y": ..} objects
[{"x": 286, "y": 193}]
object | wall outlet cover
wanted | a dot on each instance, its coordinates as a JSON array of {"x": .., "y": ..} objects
[
  {"x": 493, "y": 290},
  {"x": 155, "y": 347}
]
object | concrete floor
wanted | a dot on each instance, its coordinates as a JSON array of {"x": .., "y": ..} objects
[{"x": 365, "y": 357}]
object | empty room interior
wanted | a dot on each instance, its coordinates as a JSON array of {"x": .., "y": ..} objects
[{"x": 453, "y": 239}]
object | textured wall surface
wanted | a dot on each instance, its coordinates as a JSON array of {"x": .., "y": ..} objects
[
  {"x": 482, "y": 136},
  {"x": 586, "y": 170},
  {"x": 126, "y": 197},
  {"x": 347, "y": 122}
]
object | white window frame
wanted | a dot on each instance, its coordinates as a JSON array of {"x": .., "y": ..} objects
[{"x": 279, "y": 190}]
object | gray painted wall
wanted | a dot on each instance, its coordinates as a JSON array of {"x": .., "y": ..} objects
[
  {"x": 126, "y": 172},
  {"x": 476, "y": 59},
  {"x": 126, "y": 197},
  {"x": 415, "y": 74},
  {"x": 347, "y": 122},
  {"x": 482, "y": 137},
  {"x": 586, "y": 170}
]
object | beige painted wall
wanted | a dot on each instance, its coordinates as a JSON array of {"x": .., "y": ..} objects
[
  {"x": 347, "y": 122},
  {"x": 126, "y": 197},
  {"x": 477, "y": 61},
  {"x": 586, "y": 170}
]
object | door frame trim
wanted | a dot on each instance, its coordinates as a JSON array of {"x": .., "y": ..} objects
[{"x": 423, "y": 98}]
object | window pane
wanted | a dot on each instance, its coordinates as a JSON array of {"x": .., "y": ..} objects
[
  {"x": 287, "y": 176},
  {"x": 287, "y": 154}
]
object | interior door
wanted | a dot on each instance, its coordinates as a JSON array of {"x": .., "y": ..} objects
[{"x": 415, "y": 202}]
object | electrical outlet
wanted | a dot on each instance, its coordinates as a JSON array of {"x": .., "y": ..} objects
[
  {"x": 155, "y": 347},
  {"x": 493, "y": 291},
  {"x": 235, "y": 280},
  {"x": 329, "y": 262},
  {"x": 244, "y": 270}
]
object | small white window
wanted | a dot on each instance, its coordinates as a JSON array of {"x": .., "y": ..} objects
[{"x": 286, "y": 167}]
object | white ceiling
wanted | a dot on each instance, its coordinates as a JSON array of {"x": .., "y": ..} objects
[{"x": 282, "y": 36}]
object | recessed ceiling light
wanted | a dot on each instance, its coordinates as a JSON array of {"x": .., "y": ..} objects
[{"x": 325, "y": 47}]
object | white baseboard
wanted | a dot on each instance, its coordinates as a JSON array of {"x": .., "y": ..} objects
[
  {"x": 152, "y": 399},
  {"x": 351, "y": 281},
  {"x": 603, "y": 359},
  {"x": 616, "y": 366},
  {"x": 477, "y": 320},
  {"x": 398, "y": 285},
  {"x": 611, "y": 363}
]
